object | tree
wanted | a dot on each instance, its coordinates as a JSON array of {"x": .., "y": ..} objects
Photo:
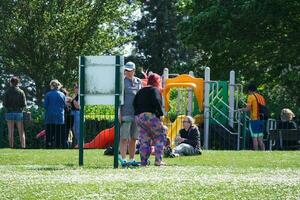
[
  {"x": 257, "y": 38},
  {"x": 43, "y": 38},
  {"x": 157, "y": 45}
]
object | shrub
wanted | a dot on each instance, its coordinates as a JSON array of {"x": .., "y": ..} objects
[{"x": 97, "y": 118}]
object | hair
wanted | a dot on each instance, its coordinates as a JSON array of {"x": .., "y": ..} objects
[
  {"x": 14, "y": 80},
  {"x": 55, "y": 84},
  {"x": 252, "y": 87},
  {"x": 154, "y": 80},
  {"x": 191, "y": 120},
  {"x": 286, "y": 115}
]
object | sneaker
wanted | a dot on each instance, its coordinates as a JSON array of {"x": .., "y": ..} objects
[
  {"x": 122, "y": 161},
  {"x": 167, "y": 152},
  {"x": 134, "y": 163},
  {"x": 172, "y": 155},
  {"x": 147, "y": 164},
  {"x": 160, "y": 163}
]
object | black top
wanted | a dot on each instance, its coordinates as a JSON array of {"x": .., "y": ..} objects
[
  {"x": 72, "y": 103},
  {"x": 148, "y": 99},
  {"x": 14, "y": 99},
  {"x": 286, "y": 125},
  {"x": 192, "y": 136}
]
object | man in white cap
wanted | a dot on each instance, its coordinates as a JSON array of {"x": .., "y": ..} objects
[{"x": 128, "y": 129}]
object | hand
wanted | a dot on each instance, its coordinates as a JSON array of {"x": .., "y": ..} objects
[{"x": 180, "y": 139}]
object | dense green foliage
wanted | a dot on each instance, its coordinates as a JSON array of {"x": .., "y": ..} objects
[
  {"x": 258, "y": 39},
  {"x": 43, "y": 39},
  {"x": 156, "y": 37}
]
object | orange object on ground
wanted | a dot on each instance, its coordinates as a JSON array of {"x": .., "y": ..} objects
[{"x": 103, "y": 139}]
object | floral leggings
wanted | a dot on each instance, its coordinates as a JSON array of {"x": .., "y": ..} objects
[{"x": 150, "y": 128}]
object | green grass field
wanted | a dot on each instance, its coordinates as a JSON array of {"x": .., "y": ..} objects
[{"x": 54, "y": 174}]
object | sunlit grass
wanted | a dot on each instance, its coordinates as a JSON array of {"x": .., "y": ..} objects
[{"x": 54, "y": 174}]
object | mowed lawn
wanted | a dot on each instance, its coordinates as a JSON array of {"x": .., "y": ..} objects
[{"x": 54, "y": 174}]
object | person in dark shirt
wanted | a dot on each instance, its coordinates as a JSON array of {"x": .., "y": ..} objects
[
  {"x": 75, "y": 112},
  {"x": 287, "y": 121},
  {"x": 14, "y": 102},
  {"x": 188, "y": 139},
  {"x": 69, "y": 118},
  {"x": 148, "y": 110}
]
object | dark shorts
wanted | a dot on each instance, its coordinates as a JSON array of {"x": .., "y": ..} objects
[
  {"x": 257, "y": 128},
  {"x": 14, "y": 116}
]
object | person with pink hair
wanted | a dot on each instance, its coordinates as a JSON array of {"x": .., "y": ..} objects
[{"x": 148, "y": 111}]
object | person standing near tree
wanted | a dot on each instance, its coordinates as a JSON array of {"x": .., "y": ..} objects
[
  {"x": 14, "y": 102},
  {"x": 54, "y": 105},
  {"x": 256, "y": 125},
  {"x": 128, "y": 129},
  {"x": 75, "y": 111}
]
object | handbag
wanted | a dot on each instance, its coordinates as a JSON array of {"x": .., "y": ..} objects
[{"x": 27, "y": 116}]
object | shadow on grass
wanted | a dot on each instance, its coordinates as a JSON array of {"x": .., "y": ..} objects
[
  {"x": 47, "y": 168},
  {"x": 67, "y": 166}
]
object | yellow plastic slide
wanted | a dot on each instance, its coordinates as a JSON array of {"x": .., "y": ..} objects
[{"x": 173, "y": 128}]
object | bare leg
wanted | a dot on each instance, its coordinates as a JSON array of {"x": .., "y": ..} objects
[
  {"x": 10, "y": 125},
  {"x": 261, "y": 143},
  {"x": 21, "y": 131},
  {"x": 123, "y": 147},
  {"x": 255, "y": 144},
  {"x": 132, "y": 148}
]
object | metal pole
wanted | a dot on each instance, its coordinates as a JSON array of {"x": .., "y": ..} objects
[
  {"x": 190, "y": 97},
  {"x": 81, "y": 101},
  {"x": 206, "y": 106},
  {"x": 1, "y": 126},
  {"x": 244, "y": 129},
  {"x": 179, "y": 101},
  {"x": 231, "y": 98},
  {"x": 117, "y": 104},
  {"x": 239, "y": 131},
  {"x": 165, "y": 77}
]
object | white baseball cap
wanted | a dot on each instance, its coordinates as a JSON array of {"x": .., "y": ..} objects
[{"x": 129, "y": 66}]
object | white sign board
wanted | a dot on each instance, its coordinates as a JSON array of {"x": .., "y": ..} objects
[{"x": 99, "y": 76}]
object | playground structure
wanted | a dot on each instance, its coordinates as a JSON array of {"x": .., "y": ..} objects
[{"x": 214, "y": 104}]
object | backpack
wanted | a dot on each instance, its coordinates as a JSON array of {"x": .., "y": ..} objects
[
  {"x": 263, "y": 110},
  {"x": 109, "y": 151}
]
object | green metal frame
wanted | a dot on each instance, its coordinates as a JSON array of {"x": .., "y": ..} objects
[
  {"x": 81, "y": 99},
  {"x": 117, "y": 104}
]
